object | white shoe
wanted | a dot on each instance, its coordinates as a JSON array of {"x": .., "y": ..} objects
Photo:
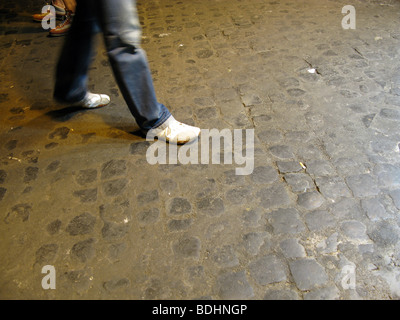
[
  {"x": 93, "y": 100},
  {"x": 173, "y": 131}
]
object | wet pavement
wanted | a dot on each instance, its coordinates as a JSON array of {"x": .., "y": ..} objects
[{"x": 318, "y": 218}]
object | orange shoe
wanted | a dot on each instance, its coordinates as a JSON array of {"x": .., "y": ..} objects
[
  {"x": 63, "y": 28},
  {"x": 60, "y": 13},
  {"x": 40, "y": 16}
]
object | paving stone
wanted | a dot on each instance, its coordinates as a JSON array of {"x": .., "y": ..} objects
[
  {"x": 264, "y": 175},
  {"x": 234, "y": 286},
  {"x": 395, "y": 195},
  {"x": 362, "y": 185},
  {"x": 320, "y": 168},
  {"x": 333, "y": 187},
  {"x": 268, "y": 269},
  {"x": 113, "y": 231},
  {"x": 86, "y": 195},
  {"x": 238, "y": 195},
  {"x": 113, "y": 285},
  {"x": 187, "y": 247},
  {"x": 2, "y": 192},
  {"x": 310, "y": 200},
  {"x": 286, "y": 221},
  {"x": 3, "y": 176},
  {"x": 179, "y": 225},
  {"x": 11, "y": 145},
  {"x": 113, "y": 168},
  {"x": 347, "y": 208},
  {"x": 139, "y": 148},
  {"x": 53, "y": 166},
  {"x": 253, "y": 241},
  {"x": 289, "y": 166},
  {"x": 83, "y": 250},
  {"x": 54, "y": 226},
  {"x": 147, "y": 197},
  {"x": 211, "y": 206},
  {"x": 78, "y": 280},
  {"x": 388, "y": 175},
  {"x": 272, "y": 197},
  {"x": 281, "y": 295},
  {"x": 384, "y": 234},
  {"x": 251, "y": 217},
  {"x": 46, "y": 254},
  {"x": 225, "y": 257},
  {"x": 354, "y": 230},
  {"x": 308, "y": 274},
  {"x": 114, "y": 187},
  {"x": 180, "y": 206},
  {"x": 374, "y": 209},
  {"x": 319, "y": 220},
  {"x": 31, "y": 174},
  {"x": 299, "y": 182},
  {"x": 292, "y": 249},
  {"x": 148, "y": 216},
  {"x": 86, "y": 176},
  {"x": 282, "y": 152},
  {"x": 82, "y": 224},
  {"x": 60, "y": 133}
]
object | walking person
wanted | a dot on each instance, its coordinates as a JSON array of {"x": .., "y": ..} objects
[{"x": 119, "y": 22}]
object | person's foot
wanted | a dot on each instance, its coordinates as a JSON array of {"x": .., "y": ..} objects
[
  {"x": 93, "y": 100},
  {"x": 60, "y": 14},
  {"x": 173, "y": 131},
  {"x": 38, "y": 17},
  {"x": 63, "y": 28}
]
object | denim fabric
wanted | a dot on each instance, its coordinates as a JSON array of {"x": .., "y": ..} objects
[{"x": 118, "y": 20}]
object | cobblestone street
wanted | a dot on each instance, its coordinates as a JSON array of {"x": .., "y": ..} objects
[{"x": 318, "y": 218}]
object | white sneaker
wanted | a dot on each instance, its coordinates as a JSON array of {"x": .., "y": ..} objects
[
  {"x": 93, "y": 100},
  {"x": 173, "y": 131}
]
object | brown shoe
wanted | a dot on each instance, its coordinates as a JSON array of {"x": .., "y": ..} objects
[{"x": 63, "y": 28}]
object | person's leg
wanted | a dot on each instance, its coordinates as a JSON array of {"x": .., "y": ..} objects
[
  {"x": 122, "y": 33},
  {"x": 76, "y": 55}
]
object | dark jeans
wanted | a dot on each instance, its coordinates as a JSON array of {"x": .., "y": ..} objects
[{"x": 119, "y": 22}]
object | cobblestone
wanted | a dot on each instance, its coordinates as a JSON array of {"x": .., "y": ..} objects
[{"x": 77, "y": 191}]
